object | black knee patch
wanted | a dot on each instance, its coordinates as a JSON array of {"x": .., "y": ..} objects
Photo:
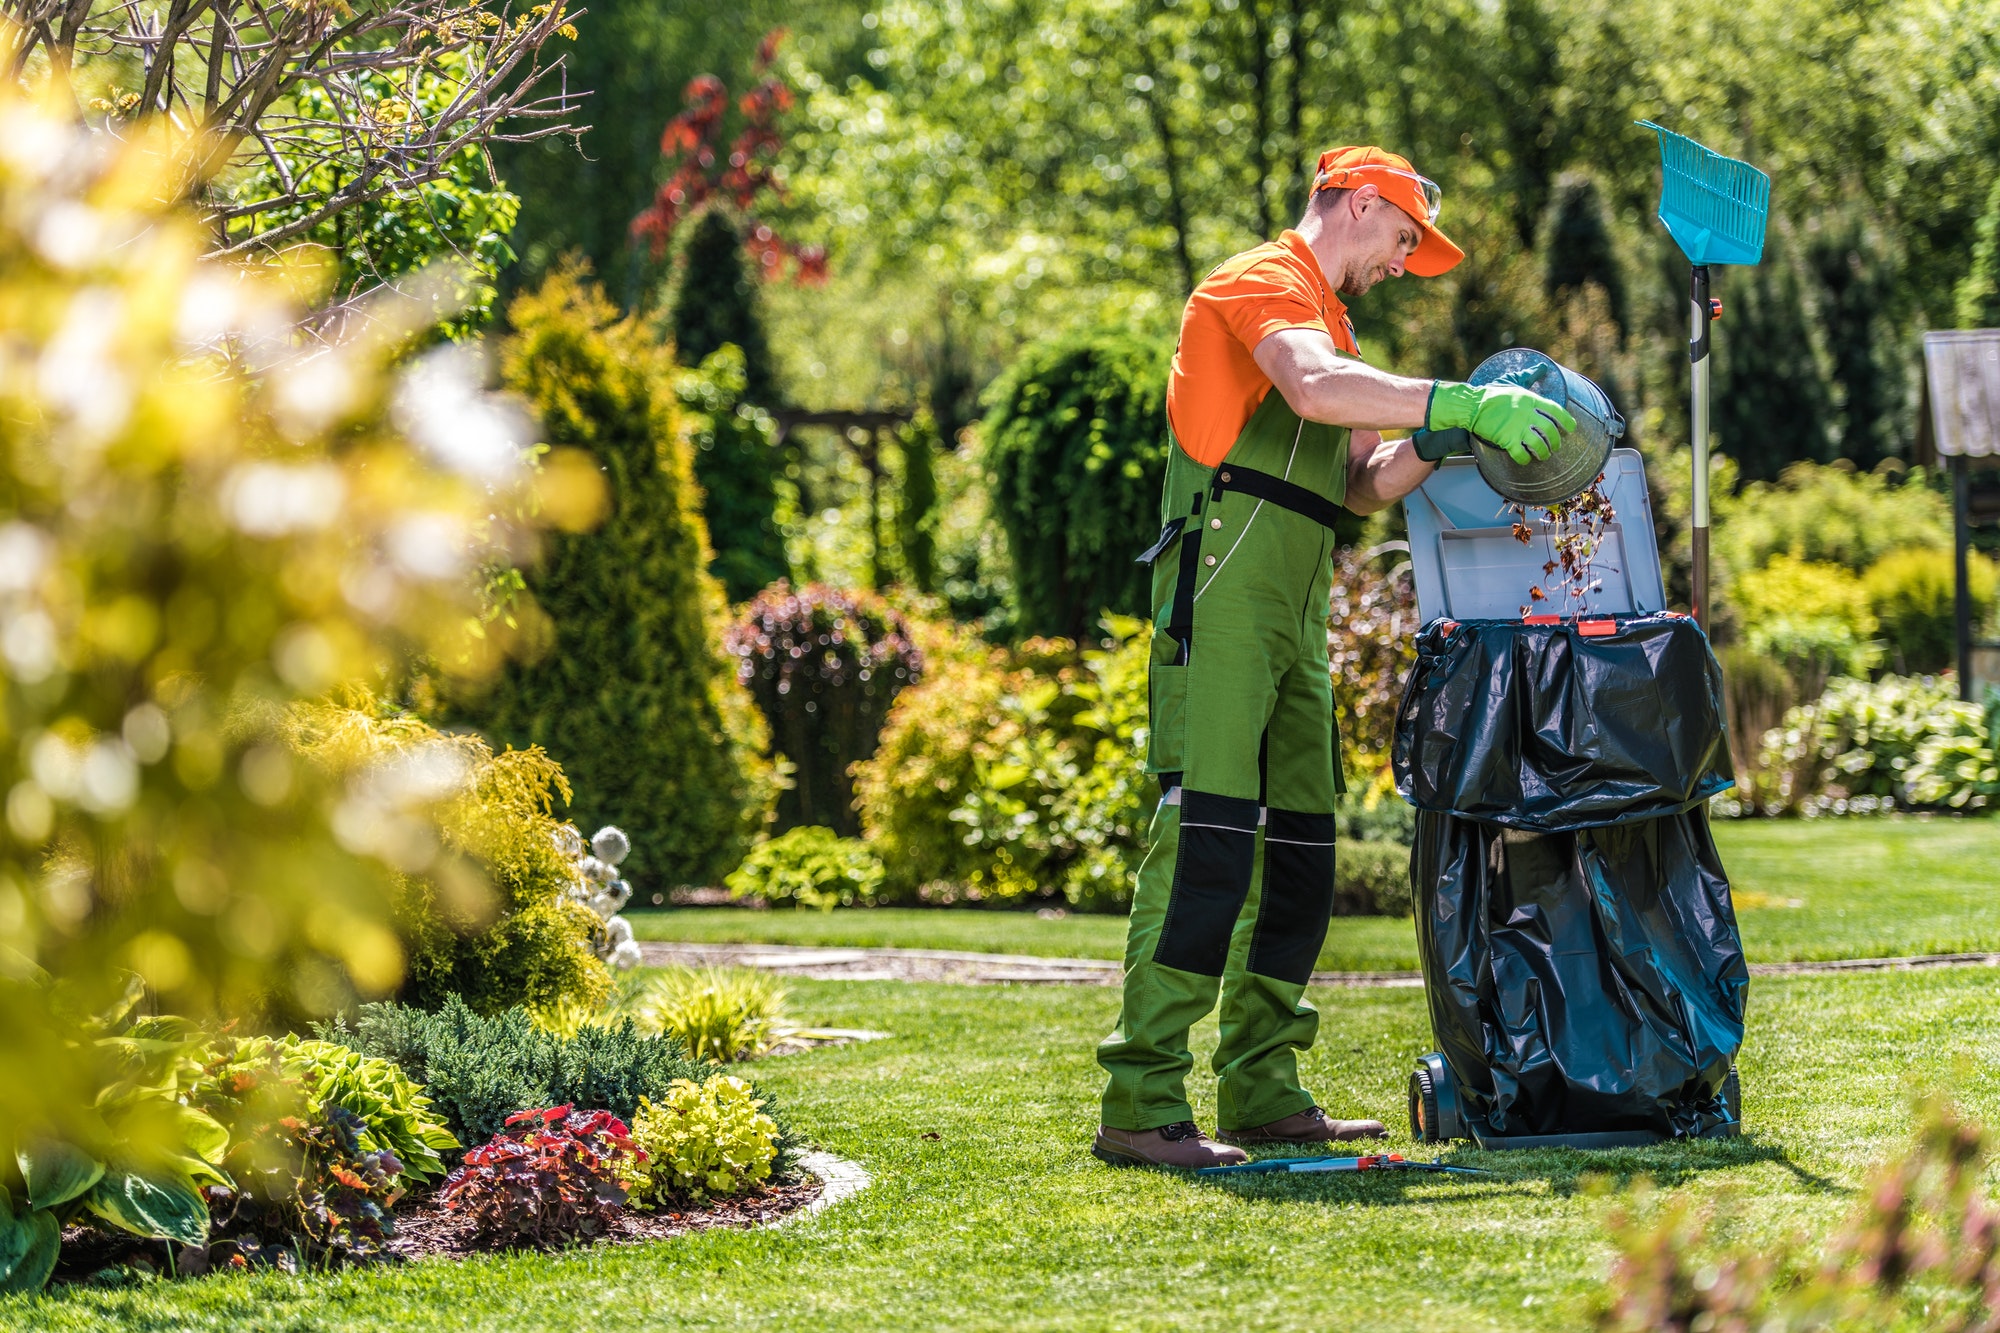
[
  {"x": 1211, "y": 880},
  {"x": 1297, "y": 901}
]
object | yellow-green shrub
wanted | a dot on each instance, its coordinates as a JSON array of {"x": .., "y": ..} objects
[
  {"x": 493, "y": 922},
  {"x": 189, "y": 541},
  {"x": 631, "y": 690},
  {"x": 701, "y": 1140},
  {"x": 809, "y": 866},
  {"x": 939, "y": 733},
  {"x": 1913, "y": 593},
  {"x": 1806, "y": 614}
]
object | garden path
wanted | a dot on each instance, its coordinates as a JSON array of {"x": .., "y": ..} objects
[{"x": 875, "y": 964}]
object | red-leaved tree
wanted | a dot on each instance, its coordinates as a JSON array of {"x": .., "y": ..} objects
[{"x": 747, "y": 173}]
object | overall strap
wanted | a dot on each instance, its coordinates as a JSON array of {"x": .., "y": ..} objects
[{"x": 1275, "y": 490}]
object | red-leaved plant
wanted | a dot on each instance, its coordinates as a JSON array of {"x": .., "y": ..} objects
[{"x": 548, "y": 1178}]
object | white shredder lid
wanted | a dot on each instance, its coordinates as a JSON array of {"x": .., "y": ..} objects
[{"x": 1468, "y": 564}]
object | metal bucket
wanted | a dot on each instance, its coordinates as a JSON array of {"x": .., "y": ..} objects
[{"x": 1567, "y": 472}]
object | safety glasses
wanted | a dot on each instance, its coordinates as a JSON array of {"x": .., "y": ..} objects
[{"x": 1346, "y": 177}]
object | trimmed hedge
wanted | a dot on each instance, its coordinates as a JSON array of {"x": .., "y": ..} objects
[{"x": 1076, "y": 446}]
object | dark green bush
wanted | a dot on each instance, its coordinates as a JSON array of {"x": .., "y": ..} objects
[
  {"x": 478, "y": 1071},
  {"x": 824, "y": 664},
  {"x": 631, "y": 694},
  {"x": 1076, "y": 444},
  {"x": 1371, "y": 879},
  {"x": 737, "y": 461}
]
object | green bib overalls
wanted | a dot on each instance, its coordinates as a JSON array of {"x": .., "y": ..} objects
[{"x": 1237, "y": 884}]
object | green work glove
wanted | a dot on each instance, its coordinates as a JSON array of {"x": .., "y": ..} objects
[{"x": 1504, "y": 413}]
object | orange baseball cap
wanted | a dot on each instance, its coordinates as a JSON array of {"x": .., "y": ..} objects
[{"x": 1350, "y": 168}]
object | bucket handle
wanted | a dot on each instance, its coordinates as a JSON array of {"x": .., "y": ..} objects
[{"x": 1615, "y": 427}]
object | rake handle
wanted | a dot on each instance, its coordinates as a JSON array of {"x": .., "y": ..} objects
[{"x": 1701, "y": 313}]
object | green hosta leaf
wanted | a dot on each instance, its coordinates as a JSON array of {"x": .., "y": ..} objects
[
  {"x": 201, "y": 1134},
  {"x": 28, "y": 1246},
  {"x": 159, "y": 1201},
  {"x": 57, "y": 1172}
]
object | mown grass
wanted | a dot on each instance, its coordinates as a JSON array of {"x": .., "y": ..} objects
[
  {"x": 987, "y": 1212},
  {"x": 1860, "y": 888}
]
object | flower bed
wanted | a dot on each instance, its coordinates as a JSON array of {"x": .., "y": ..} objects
[{"x": 420, "y": 1135}]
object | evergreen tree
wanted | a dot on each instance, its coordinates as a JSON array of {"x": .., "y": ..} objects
[
  {"x": 736, "y": 464},
  {"x": 717, "y": 303},
  {"x": 916, "y": 514},
  {"x": 633, "y": 696},
  {"x": 1978, "y": 293},
  {"x": 1771, "y": 404},
  {"x": 1577, "y": 247},
  {"x": 1858, "y": 290}
]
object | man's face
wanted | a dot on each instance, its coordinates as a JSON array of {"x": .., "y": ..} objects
[{"x": 1388, "y": 237}]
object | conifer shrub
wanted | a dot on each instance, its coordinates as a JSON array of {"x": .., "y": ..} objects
[
  {"x": 737, "y": 461},
  {"x": 632, "y": 692},
  {"x": 491, "y": 920},
  {"x": 824, "y": 664},
  {"x": 1076, "y": 446},
  {"x": 478, "y": 1071}
]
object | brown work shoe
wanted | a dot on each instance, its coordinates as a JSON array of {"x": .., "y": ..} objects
[
  {"x": 1308, "y": 1126},
  {"x": 1183, "y": 1147}
]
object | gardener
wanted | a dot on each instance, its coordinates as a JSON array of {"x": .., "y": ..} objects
[{"x": 1242, "y": 731}]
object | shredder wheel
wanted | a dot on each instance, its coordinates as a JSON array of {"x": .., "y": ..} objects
[{"x": 1424, "y": 1126}]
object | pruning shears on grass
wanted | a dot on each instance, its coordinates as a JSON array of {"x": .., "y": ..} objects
[{"x": 1388, "y": 1161}]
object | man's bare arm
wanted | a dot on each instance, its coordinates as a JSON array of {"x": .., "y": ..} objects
[
  {"x": 1321, "y": 385},
  {"x": 1381, "y": 472}
]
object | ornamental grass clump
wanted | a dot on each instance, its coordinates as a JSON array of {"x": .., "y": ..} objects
[
  {"x": 715, "y": 1013},
  {"x": 550, "y": 1177},
  {"x": 700, "y": 1141}
]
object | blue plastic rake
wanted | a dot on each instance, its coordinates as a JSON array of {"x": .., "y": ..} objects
[{"x": 1715, "y": 208}]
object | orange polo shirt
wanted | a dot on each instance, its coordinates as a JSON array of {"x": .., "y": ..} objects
[{"x": 1215, "y": 384}]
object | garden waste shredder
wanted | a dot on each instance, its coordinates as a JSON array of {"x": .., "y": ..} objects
[{"x": 1582, "y": 965}]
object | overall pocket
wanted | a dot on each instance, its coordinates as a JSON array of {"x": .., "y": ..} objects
[{"x": 1166, "y": 713}]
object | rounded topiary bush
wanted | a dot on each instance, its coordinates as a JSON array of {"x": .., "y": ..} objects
[
  {"x": 823, "y": 664},
  {"x": 1076, "y": 445}
]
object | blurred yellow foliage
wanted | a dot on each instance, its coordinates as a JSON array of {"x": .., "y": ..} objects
[{"x": 206, "y": 516}]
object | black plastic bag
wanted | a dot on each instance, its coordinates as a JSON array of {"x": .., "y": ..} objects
[
  {"x": 1581, "y": 982},
  {"x": 1545, "y": 727},
  {"x": 1581, "y": 957}
]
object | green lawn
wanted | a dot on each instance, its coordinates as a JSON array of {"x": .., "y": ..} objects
[
  {"x": 1861, "y": 888},
  {"x": 987, "y": 1213}
]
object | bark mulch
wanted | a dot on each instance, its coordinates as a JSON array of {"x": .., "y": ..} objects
[
  {"x": 426, "y": 1231},
  {"x": 103, "y": 1257}
]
